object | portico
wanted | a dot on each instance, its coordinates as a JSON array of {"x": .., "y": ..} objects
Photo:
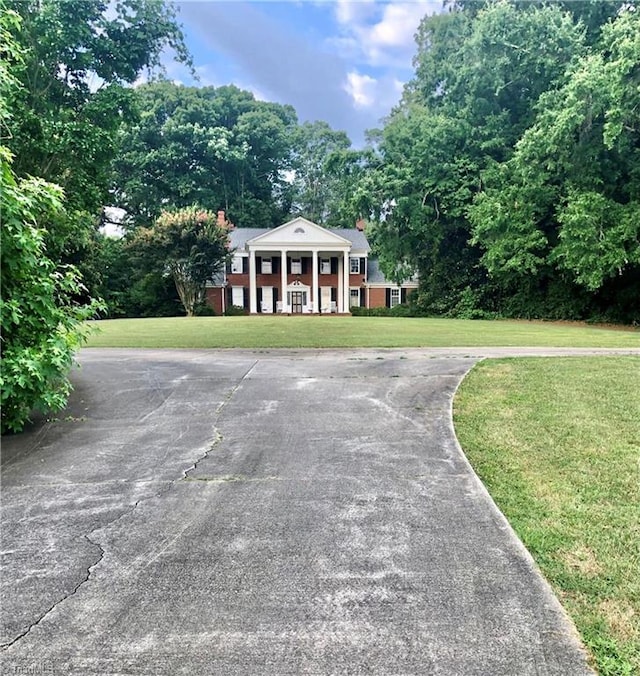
[{"x": 298, "y": 268}]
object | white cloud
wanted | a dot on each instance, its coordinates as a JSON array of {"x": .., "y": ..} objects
[
  {"x": 361, "y": 88},
  {"x": 378, "y": 95},
  {"x": 348, "y": 12},
  {"x": 380, "y": 34}
]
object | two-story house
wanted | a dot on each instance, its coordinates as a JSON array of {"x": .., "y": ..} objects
[{"x": 301, "y": 267}]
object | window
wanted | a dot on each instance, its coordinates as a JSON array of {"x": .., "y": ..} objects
[
  {"x": 395, "y": 297},
  {"x": 266, "y": 266},
  {"x": 296, "y": 266},
  {"x": 354, "y": 266},
  {"x": 325, "y": 266},
  {"x": 237, "y": 296},
  {"x": 354, "y": 297},
  {"x": 236, "y": 265}
]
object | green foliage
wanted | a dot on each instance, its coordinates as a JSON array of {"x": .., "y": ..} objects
[
  {"x": 42, "y": 322},
  {"x": 317, "y": 184},
  {"x": 510, "y": 169},
  {"x": 476, "y": 81},
  {"x": 401, "y": 310},
  {"x": 188, "y": 245},
  {"x": 216, "y": 147},
  {"x": 234, "y": 311},
  {"x": 569, "y": 198},
  {"x": 78, "y": 60},
  {"x": 42, "y": 325}
]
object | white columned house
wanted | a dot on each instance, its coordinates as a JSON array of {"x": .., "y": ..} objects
[
  {"x": 297, "y": 248},
  {"x": 301, "y": 267}
]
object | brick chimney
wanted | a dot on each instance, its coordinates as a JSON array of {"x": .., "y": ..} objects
[{"x": 361, "y": 224}]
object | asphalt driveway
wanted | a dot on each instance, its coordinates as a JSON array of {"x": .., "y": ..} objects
[{"x": 223, "y": 512}]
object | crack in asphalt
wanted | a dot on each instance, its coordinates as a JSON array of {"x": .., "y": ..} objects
[
  {"x": 217, "y": 414},
  {"x": 32, "y": 625},
  {"x": 218, "y": 437}
]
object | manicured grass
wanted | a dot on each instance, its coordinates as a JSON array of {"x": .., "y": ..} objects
[
  {"x": 557, "y": 443},
  {"x": 275, "y": 331}
]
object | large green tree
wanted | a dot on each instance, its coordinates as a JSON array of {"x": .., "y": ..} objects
[
  {"x": 316, "y": 184},
  {"x": 79, "y": 58},
  {"x": 478, "y": 76},
  {"x": 569, "y": 198},
  {"x": 41, "y": 320},
  {"x": 217, "y": 147}
]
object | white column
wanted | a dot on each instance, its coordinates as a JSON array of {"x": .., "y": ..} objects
[
  {"x": 283, "y": 279},
  {"x": 345, "y": 287},
  {"x": 253, "y": 291},
  {"x": 339, "y": 294},
  {"x": 316, "y": 291}
]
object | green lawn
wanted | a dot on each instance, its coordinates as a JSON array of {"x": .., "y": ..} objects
[
  {"x": 557, "y": 443},
  {"x": 276, "y": 331}
]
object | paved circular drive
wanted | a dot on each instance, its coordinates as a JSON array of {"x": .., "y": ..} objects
[{"x": 229, "y": 512}]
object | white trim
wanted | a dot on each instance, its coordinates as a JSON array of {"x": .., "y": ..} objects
[
  {"x": 236, "y": 262},
  {"x": 397, "y": 291},
  {"x": 351, "y": 296},
  {"x": 235, "y": 290},
  {"x": 266, "y": 262},
  {"x": 334, "y": 240}
]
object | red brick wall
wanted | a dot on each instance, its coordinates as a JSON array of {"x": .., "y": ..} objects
[
  {"x": 214, "y": 300},
  {"x": 377, "y": 297}
]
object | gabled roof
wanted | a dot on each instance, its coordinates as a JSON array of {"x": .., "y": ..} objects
[{"x": 299, "y": 231}]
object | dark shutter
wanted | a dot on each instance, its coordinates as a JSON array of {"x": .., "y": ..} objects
[
  {"x": 288, "y": 265},
  {"x": 275, "y": 294},
  {"x": 275, "y": 264},
  {"x": 245, "y": 266},
  {"x": 258, "y": 264},
  {"x": 229, "y": 297},
  {"x": 363, "y": 263},
  {"x": 334, "y": 294},
  {"x": 305, "y": 266},
  {"x": 259, "y": 299},
  {"x": 245, "y": 297},
  {"x": 387, "y": 293},
  {"x": 403, "y": 295},
  {"x": 334, "y": 266},
  {"x": 362, "y": 298}
]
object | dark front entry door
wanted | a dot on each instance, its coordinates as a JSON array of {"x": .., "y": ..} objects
[{"x": 296, "y": 302}]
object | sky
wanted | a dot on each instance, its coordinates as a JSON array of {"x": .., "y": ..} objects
[{"x": 340, "y": 61}]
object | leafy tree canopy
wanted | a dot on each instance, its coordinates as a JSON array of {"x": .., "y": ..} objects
[
  {"x": 41, "y": 320},
  {"x": 190, "y": 246},
  {"x": 217, "y": 147}
]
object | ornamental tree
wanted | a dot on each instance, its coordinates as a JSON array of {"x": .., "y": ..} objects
[{"x": 190, "y": 246}]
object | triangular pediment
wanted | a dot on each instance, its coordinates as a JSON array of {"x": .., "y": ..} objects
[{"x": 299, "y": 232}]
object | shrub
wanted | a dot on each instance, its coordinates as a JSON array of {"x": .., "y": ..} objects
[
  {"x": 234, "y": 311},
  {"x": 42, "y": 325}
]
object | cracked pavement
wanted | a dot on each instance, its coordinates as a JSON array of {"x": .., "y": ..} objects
[{"x": 264, "y": 512}]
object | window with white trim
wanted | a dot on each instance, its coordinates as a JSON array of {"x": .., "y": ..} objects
[
  {"x": 394, "y": 298},
  {"x": 237, "y": 296},
  {"x": 236, "y": 265},
  {"x": 266, "y": 266},
  {"x": 325, "y": 266},
  {"x": 354, "y": 297},
  {"x": 296, "y": 266},
  {"x": 354, "y": 266}
]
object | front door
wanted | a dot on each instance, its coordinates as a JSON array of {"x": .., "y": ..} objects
[{"x": 296, "y": 302}]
